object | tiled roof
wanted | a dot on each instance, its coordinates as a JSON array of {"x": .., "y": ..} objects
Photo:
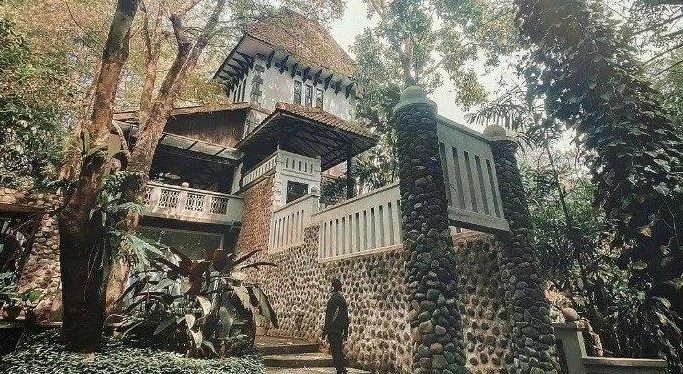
[
  {"x": 319, "y": 115},
  {"x": 132, "y": 115},
  {"x": 306, "y": 39}
]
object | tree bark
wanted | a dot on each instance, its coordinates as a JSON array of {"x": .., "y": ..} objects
[{"x": 84, "y": 258}]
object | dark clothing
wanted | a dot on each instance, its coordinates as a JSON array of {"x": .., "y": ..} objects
[
  {"x": 337, "y": 352},
  {"x": 336, "y": 315},
  {"x": 337, "y": 329}
]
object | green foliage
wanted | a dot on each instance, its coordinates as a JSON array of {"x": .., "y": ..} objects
[
  {"x": 31, "y": 87},
  {"x": 423, "y": 42},
  {"x": 212, "y": 314},
  {"x": 578, "y": 262},
  {"x": 43, "y": 353},
  {"x": 591, "y": 81}
]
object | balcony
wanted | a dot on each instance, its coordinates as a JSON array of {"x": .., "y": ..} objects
[{"x": 193, "y": 205}]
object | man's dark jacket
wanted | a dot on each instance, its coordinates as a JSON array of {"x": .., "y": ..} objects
[{"x": 336, "y": 316}]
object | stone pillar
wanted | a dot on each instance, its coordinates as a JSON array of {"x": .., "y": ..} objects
[
  {"x": 431, "y": 278},
  {"x": 533, "y": 341}
]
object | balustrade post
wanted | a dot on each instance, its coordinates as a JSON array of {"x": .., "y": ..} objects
[
  {"x": 154, "y": 196},
  {"x": 182, "y": 201},
  {"x": 206, "y": 208},
  {"x": 528, "y": 309},
  {"x": 430, "y": 269}
]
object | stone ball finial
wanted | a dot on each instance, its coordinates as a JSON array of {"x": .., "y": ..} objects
[
  {"x": 495, "y": 131},
  {"x": 570, "y": 315},
  {"x": 413, "y": 95}
]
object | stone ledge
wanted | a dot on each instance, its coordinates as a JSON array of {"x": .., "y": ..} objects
[{"x": 625, "y": 362}]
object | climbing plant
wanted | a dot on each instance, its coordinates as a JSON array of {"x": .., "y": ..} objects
[{"x": 592, "y": 82}]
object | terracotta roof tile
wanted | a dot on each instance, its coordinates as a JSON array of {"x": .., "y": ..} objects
[
  {"x": 306, "y": 39},
  {"x": 319, "y": 115}
]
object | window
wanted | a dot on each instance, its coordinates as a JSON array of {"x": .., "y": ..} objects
[
  {"x": 297, "y": 92},
  {"x": 296, "y": 190},
  {"x": 319, "y": 98},
  {"x": 309, "y": 95}
]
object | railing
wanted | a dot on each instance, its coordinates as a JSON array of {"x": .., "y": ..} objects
[
  {"x": 287, "y": 162},
  {"x": 574, "y": 360},
  {"x": 260, "y": 170},
  {"x": 288, "y": 223},
  {"x": 470, "y": 177},
  {"x": 366, "y": 223},
  {"x": 189, "y": 204},
  {"x": 299, "y": 164}
]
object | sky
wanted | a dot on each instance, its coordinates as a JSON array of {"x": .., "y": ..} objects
[{"x": 355, "y": 20}]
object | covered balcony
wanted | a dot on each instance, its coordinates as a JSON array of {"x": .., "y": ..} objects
[{"x": 193, "y": 205}]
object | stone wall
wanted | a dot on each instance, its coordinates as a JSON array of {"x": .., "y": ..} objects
[
  {"x": 42, "y": 267},
  {"x": 380, "y": 336},
  {"x": 257, "y": 211},
  {"x": 484, "y": 317}
]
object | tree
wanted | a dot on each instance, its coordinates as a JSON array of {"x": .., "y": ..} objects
[
  {"x": 86, "y": 254},
  {"x": 83, "y": 260},
  {"x": 420, "y": 42},
  {"x": 32, "y": 92},
  {"x": 591, "y": 82}
]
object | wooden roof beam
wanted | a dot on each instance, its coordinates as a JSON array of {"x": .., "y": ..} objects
[
  {"x": 316, "y": 77},
  {"x": 294, "y": 68},
  {"x": 283, "y": 64},
  {"x": 328, "y": 80},
  {"x": 304, "y": 74},
  {"x": 249, "y": 60},
  {"x": 269, "y": 60}
]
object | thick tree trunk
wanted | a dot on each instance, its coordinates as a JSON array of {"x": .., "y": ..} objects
[{"x": 84, "y": 260}]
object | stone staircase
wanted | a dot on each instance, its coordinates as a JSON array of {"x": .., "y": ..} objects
[{"x": 294, "y": 356}]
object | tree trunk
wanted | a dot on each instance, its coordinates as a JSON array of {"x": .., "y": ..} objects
[{"x": 84, "y": 259}]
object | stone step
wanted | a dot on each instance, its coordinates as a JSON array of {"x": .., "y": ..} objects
[
  {"x": 303, "y": 360},
  {"x": 268, "y": 345},
  {"x": 313, "y": 371}
]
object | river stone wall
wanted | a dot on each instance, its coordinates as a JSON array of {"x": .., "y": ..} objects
[
  {"x": 42, "y": 267},
  {"x": 374, "y": 286},
  {"x": 258, "y": 208}
]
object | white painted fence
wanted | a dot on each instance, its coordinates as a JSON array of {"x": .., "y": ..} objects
[
  {"x": 298, "y": 164},
  {"x": 287, "y": 162},
  {"x": 288, "y": 223},
  {"x": 366, "y": 223},
  {"x": 470, "y": 177},
  {"x": 190, "y": 204}
]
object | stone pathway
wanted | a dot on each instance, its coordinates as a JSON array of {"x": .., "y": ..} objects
[{"x": 295, "y": 356}]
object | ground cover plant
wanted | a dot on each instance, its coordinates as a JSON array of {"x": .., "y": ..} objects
[{"x": 42, "y": 353}]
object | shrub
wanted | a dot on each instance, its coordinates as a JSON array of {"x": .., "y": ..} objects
[{"x": 42, "y": 353}]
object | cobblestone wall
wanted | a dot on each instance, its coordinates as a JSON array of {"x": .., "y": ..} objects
[
  {"x": 374, "y": 286},
  {"x": 42, "y": 267},
  {"x": 258, "y": 207}
]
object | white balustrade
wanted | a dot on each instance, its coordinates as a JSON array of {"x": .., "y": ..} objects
[
  {"x": 291, "y": 164},
  {"x": 190, "y": 204},
  {"x": 470, "y": 178},
  {"x": 364, "y": 224},
  {"x": 260, "y": 170},
  {"x": 288, "y": 222}
]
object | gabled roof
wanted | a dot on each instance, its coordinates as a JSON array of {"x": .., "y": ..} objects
[
  {"x": 306, "y": 39},
  {"x": 132, "y": 115},
  {"x": 310, "y": 132},
  {"x": 328, "y": 119}
]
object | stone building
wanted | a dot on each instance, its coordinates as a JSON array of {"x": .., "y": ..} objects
[{"x": 247, "y": 175}]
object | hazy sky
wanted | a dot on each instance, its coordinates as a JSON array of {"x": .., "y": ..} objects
[{"x": 355, "y": 20}]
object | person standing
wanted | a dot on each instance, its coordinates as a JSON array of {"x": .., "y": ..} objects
[{"x": 336, "y": 327}]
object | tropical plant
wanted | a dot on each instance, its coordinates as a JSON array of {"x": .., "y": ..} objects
[
  {"x": 30, "y": 111},
  {"x": 198, "y": 307}
]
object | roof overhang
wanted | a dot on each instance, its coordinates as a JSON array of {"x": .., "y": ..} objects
[
  {"x": 250, "y": 48},
  {"x": 218, "y": 152},
  {"x": 301, "y": 135}
]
